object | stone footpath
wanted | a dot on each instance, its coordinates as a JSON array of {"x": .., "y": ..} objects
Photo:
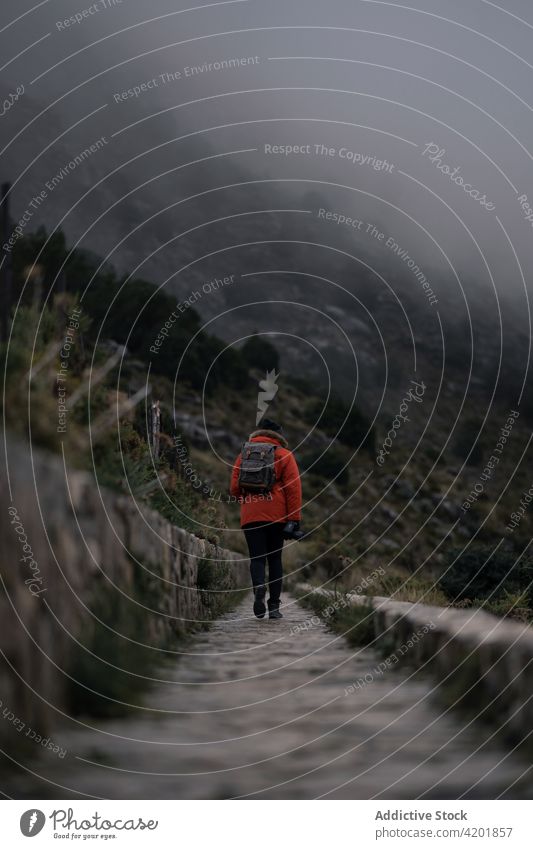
[{"x": 258, "y": 709}]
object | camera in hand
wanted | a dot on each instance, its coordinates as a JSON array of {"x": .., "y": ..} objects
[{"x": 292, "y": 531}]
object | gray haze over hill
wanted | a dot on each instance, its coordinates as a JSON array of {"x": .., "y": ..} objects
[{"x": 197, "y": 108}]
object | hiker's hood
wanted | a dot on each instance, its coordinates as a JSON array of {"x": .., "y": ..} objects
[{"x": 270, "y": 436}]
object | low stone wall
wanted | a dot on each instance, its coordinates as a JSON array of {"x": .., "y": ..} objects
[
  {"x": 478, "y": 658},
  {"x": 64, "y": 544}
]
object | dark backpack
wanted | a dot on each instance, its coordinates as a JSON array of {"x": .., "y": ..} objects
[{"x": 256, "y": 473}]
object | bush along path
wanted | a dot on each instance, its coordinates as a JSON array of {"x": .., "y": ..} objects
[{"x": 287, "y": 709}]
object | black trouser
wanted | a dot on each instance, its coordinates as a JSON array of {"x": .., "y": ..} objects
[{"x": 265, "y": 542}]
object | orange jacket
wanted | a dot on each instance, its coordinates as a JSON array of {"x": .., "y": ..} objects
[{"x": 284, "y": 501}]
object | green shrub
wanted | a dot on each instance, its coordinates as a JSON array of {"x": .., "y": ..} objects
[
  {"x": 347, "y": 425},
  {"x": 514, "y": 605},
  {"x": 329, "y": 464},
  {"x": 467, "y": 445},
  {"x": 259, "y": 353},
  {"x": 214, "y": 583},
  {"x": 354, "y": 622},
  {"x": 483, "y": 573}
]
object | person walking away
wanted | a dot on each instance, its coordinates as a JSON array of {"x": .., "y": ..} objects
[{"x": 266, "y": 480}]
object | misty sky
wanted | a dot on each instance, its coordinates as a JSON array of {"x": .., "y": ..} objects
[{"x": 376, "y": 81}]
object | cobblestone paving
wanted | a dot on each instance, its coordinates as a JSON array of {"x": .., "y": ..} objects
[{"x": 257, "y": 709}]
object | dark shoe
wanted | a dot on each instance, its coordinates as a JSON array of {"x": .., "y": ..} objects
[
  {"x": 259, "y": 602},
  {"x": 273, "y": 610}
]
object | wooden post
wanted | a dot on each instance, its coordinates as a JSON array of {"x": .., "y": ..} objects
[
  {"x": 155, "y": 428},
  {"x": 6, "y": 277}
]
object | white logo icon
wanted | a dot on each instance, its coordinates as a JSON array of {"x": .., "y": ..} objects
[{"x": 269, "y": 389}]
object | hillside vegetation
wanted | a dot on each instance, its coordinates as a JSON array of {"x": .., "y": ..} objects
[{"x": 407, "y": 515}]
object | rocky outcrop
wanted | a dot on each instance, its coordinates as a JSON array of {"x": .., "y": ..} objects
[{"x": 75, "y": 559}]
